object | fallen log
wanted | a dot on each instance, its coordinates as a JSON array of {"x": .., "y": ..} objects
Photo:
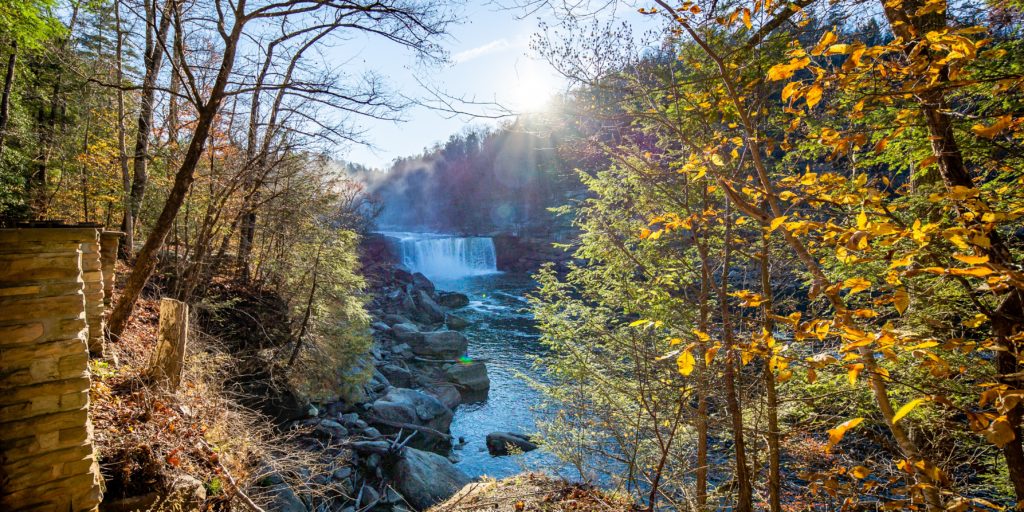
[{"x": 410, "y": 426}]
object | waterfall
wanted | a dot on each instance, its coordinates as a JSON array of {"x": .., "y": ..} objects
[{"x": 445, "y": 256}]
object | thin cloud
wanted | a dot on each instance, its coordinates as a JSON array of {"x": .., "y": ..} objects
[{"x": 480, "y": 51}]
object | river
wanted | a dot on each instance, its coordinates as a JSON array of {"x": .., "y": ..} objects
[{"x": 502, "y": 331}]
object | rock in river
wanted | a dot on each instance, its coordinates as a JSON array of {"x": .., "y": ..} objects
[
  {"x": 446, "y": 393},
  {"x": 469, "y": 377},
  {"x": 453, "y": 300},
  {"x": 455, "y": 322},
  {"x": 406, "y": 333},
  {"x": 425, "y": 478},
  {"x": 440, "y": 345},
  {"x": 421, "y": 282},
  {"x": 498, "y": 443},
  {"x": 396, "y": 375}
]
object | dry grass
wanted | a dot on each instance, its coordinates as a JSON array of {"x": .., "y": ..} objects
[
  {"x": 144, "y": 436},
  {"x": 533, "y": 492}
]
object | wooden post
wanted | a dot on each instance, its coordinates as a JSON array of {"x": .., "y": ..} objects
[{"x": 169, "y": 357}]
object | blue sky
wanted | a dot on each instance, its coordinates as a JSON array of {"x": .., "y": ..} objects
[{"x": 490, "y": 62}]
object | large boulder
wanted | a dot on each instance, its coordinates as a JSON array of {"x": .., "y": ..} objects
[
  {"x": 426, "y": 309},
  {"x": 392, "y": 319},
  {"x": 396, "y": 375},
  {"x": 499, "y": 443},
  {"x": 440, "y": 345},
  {"x": 330, "y": 431},
  {"x": 453, "y": 300},
  {"x": 470, "y": 378},
  {"x": 401, "y": 276},
  {"x": 406, "y": 333},
  {"x": 425, "y": 478},
  {"x": 455, "y": 322},
  {"x": 403, "y": 408},
  {"x": 420, "y": 282},
  {"x": 447, "y": 394},
  {"x": 281, "y": 496}
]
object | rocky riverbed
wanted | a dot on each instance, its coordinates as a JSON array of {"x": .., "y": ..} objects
[{"x": 394, "y": 434}]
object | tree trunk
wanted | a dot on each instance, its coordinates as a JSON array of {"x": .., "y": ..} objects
[
  {"x": 246, "y": 237},
  {"x": 153, "y": 61},
  {"x": 774, "y": 480},
  {"x": 122, "y": 136},
  {"x": 309, "y": 310},
  {"x": 1007, "y": 318},
  {"x": 744, "y": 498},
  {"x": 5, "y": 98},
  {"x": 146, "y": 261}
]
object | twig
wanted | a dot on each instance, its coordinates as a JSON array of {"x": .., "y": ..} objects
[{"x": 232, "y": 484}]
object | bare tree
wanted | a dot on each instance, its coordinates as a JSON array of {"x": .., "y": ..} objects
[
  {"x": 410, "y": 24},
  {"x": 158, "y": 23}
]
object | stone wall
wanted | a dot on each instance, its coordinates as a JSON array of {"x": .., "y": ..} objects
[
  {"x": 92, "y": 277},
  {"x": 109, "y": 242},
  {"x": 47, "y": 459}
]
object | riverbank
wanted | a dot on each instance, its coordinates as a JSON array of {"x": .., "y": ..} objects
[{"x": 437, "y": 403}]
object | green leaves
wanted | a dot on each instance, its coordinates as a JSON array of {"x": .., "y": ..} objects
[{"x": 29, "y": 21}]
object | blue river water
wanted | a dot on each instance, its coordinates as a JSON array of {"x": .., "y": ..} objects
[{"x": 502, "y": 331}]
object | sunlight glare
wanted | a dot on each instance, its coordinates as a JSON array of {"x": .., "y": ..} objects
[{"x": 534, "y": 88}]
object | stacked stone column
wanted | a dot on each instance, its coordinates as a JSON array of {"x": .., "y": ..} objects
[
  {"x": 47, "y": 460},
  {"x": 109, "y": 241},
  {"x": 92, "y": 276}
]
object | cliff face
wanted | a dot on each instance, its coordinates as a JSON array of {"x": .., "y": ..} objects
[{"x": 527, "y": 253}]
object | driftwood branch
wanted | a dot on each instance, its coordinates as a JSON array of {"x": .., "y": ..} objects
[{"x": 410, "y": 426}]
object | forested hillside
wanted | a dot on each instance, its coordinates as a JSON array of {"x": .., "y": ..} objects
[{"x": 484, "y": 180}]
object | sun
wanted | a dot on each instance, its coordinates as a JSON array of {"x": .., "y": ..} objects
[{"x": 533, "y": 87}]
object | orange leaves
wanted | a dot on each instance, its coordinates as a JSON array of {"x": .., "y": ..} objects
[
  {"x": 749, "y": 299},
  {"x": 853, "y": 371},
  {"x": 813, "y": 95},
  {"x": 860, "y": 472},
  {"x": 671, "y": 222},
  {"x": 931, "y": 7},
  {"x": 835, "y": 435},
  {"x": 972, "y": 271},
  {"x": 994, "y": 129},
  {"x": 856, "y": 284},
  {"x": 776, "y": 222},
  {"x": 173, "y": 458},
  {"x": 971, "y": 260},
  {"x": 790, "y": 89},
  {"x": 976, "y": 321},
  {"x": 827, "y": 39},
  {"x": 788, "y": 69},
  {"x": 901, "y": 300}
]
